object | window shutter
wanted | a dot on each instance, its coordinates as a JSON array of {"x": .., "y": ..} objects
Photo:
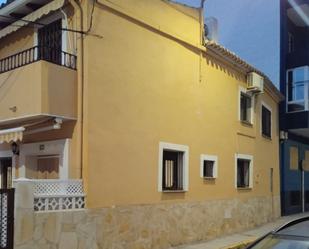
[{"x": 293, "y": 158}]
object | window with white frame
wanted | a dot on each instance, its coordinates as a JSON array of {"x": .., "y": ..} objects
[
  {"x": 266, "y": 121},
  {"x": 209, "y": 166},
  {"x": 173, "y": 167},
  {"x": 244, "y": 171},
  {"x": 245, "y": 107},
  {"x": 297, "y": 89}
]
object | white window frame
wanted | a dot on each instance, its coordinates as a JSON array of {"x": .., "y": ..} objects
[
  {"x": 243, "y": 90},
  {"x": 213, "y": 158},
  {"x": 268, "y": 107},
  {"x": 306, "y": 89},
  {"x": 246, "y": 157},
  {"x": 177, "y": 148}
]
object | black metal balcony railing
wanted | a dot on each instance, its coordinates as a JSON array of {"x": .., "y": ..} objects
[{"x": 37, "y": 53}]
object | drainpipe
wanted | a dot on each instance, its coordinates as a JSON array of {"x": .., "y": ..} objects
[
  {"x": 77, "y": 6},
  {"x": 202, "y": 20},
  {"x": 201, "y": 36}
]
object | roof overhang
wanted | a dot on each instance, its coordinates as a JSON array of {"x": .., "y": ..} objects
[{"x": 227, "y": 56}]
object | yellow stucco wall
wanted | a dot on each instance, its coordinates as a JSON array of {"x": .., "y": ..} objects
[
  {"x": 145, "y": 87},
  {"x": 146, "y": 81}
]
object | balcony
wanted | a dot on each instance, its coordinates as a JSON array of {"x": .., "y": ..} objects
[{"x": 31, "y": 81}]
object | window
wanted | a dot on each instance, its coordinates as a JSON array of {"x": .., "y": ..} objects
[
  {"x": 173, "y": 167},
  {"x": 244, "y": 171},
  {"x": 306, "y": 161},
  {"x": 245, "y": 107},
  {"x": 50, "y": 41},
  {"x": 294, "y": 158},
  {"x": 266, "y": 122},
  {"x": 209, "y": 167},
  {"x": 291, "y": 43},
  {"x": 172, "y": 170},
  {"x": 295, "y": 198},
  {"x": 297, "y": 88}
]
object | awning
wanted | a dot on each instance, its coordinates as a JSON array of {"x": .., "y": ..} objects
[
  {"x": 11, "y": 135},
  {"x": 34, "y": 16}
]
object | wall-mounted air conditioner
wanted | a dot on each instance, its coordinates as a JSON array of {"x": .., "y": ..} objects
[{"x": 255, "y": 82}]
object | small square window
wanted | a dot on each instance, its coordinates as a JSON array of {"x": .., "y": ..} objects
[
  {"x": 266, "y": 122},
  {"x": 245, "y": 107},
  {"x": 209, "y": 166},
  {"x": 244, "y": 171}
]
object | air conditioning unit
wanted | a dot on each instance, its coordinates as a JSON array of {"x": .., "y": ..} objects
[{"x": 255, "y": 82}]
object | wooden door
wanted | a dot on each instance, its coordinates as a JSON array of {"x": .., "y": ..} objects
[{"x": 48, "y": 167}]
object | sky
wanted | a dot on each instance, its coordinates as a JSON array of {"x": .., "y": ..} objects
[
  {"x": 245, "y": 27},
  {"x": 250, "y": 28}
]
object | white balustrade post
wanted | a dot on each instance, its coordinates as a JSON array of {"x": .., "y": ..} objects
[{"x": 24, "y": 193}]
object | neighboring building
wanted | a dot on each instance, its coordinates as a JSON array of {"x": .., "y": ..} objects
[
  {"x": 131, "y": 129},
  {"x": 294, "y": 110}
]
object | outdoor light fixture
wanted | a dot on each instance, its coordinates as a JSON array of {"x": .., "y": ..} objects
[{"x": 15, "y": 148}]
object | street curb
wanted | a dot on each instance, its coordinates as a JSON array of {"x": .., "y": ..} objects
[{"x": 240, "y": 245}]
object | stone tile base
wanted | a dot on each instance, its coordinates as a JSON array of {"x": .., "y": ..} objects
[{"x": 141, "y": 227}]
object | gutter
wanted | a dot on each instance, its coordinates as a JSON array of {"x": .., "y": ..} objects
[{"x": 202, "y": 20}]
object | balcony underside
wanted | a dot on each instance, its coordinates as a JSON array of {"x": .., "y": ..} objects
[{"x": 301, "y": 132}]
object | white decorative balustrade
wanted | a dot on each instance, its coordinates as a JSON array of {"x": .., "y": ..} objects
[
  {"x": 50, "y": 195},
  {"x": 58, "y": 195}
]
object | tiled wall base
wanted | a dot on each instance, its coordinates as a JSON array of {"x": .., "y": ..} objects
[{"x": 141, "y": 227}]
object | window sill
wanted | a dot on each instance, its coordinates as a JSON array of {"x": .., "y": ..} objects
[
  {"x": 246, "y": 123},
  {"x": 244, "y": 188},
  {"x": 267, "y": 137},
  {"x": 209, "y": 178},
  {"x": 174, "y": 191}
]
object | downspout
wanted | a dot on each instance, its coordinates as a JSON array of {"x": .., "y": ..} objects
[
  {"x": 201, "y": 37},
  {"x": 77, "y": 6},
  {"x": 202, "y": 21}
]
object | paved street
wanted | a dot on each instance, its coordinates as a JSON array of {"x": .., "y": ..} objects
[{"x": 242, "y": 237}]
